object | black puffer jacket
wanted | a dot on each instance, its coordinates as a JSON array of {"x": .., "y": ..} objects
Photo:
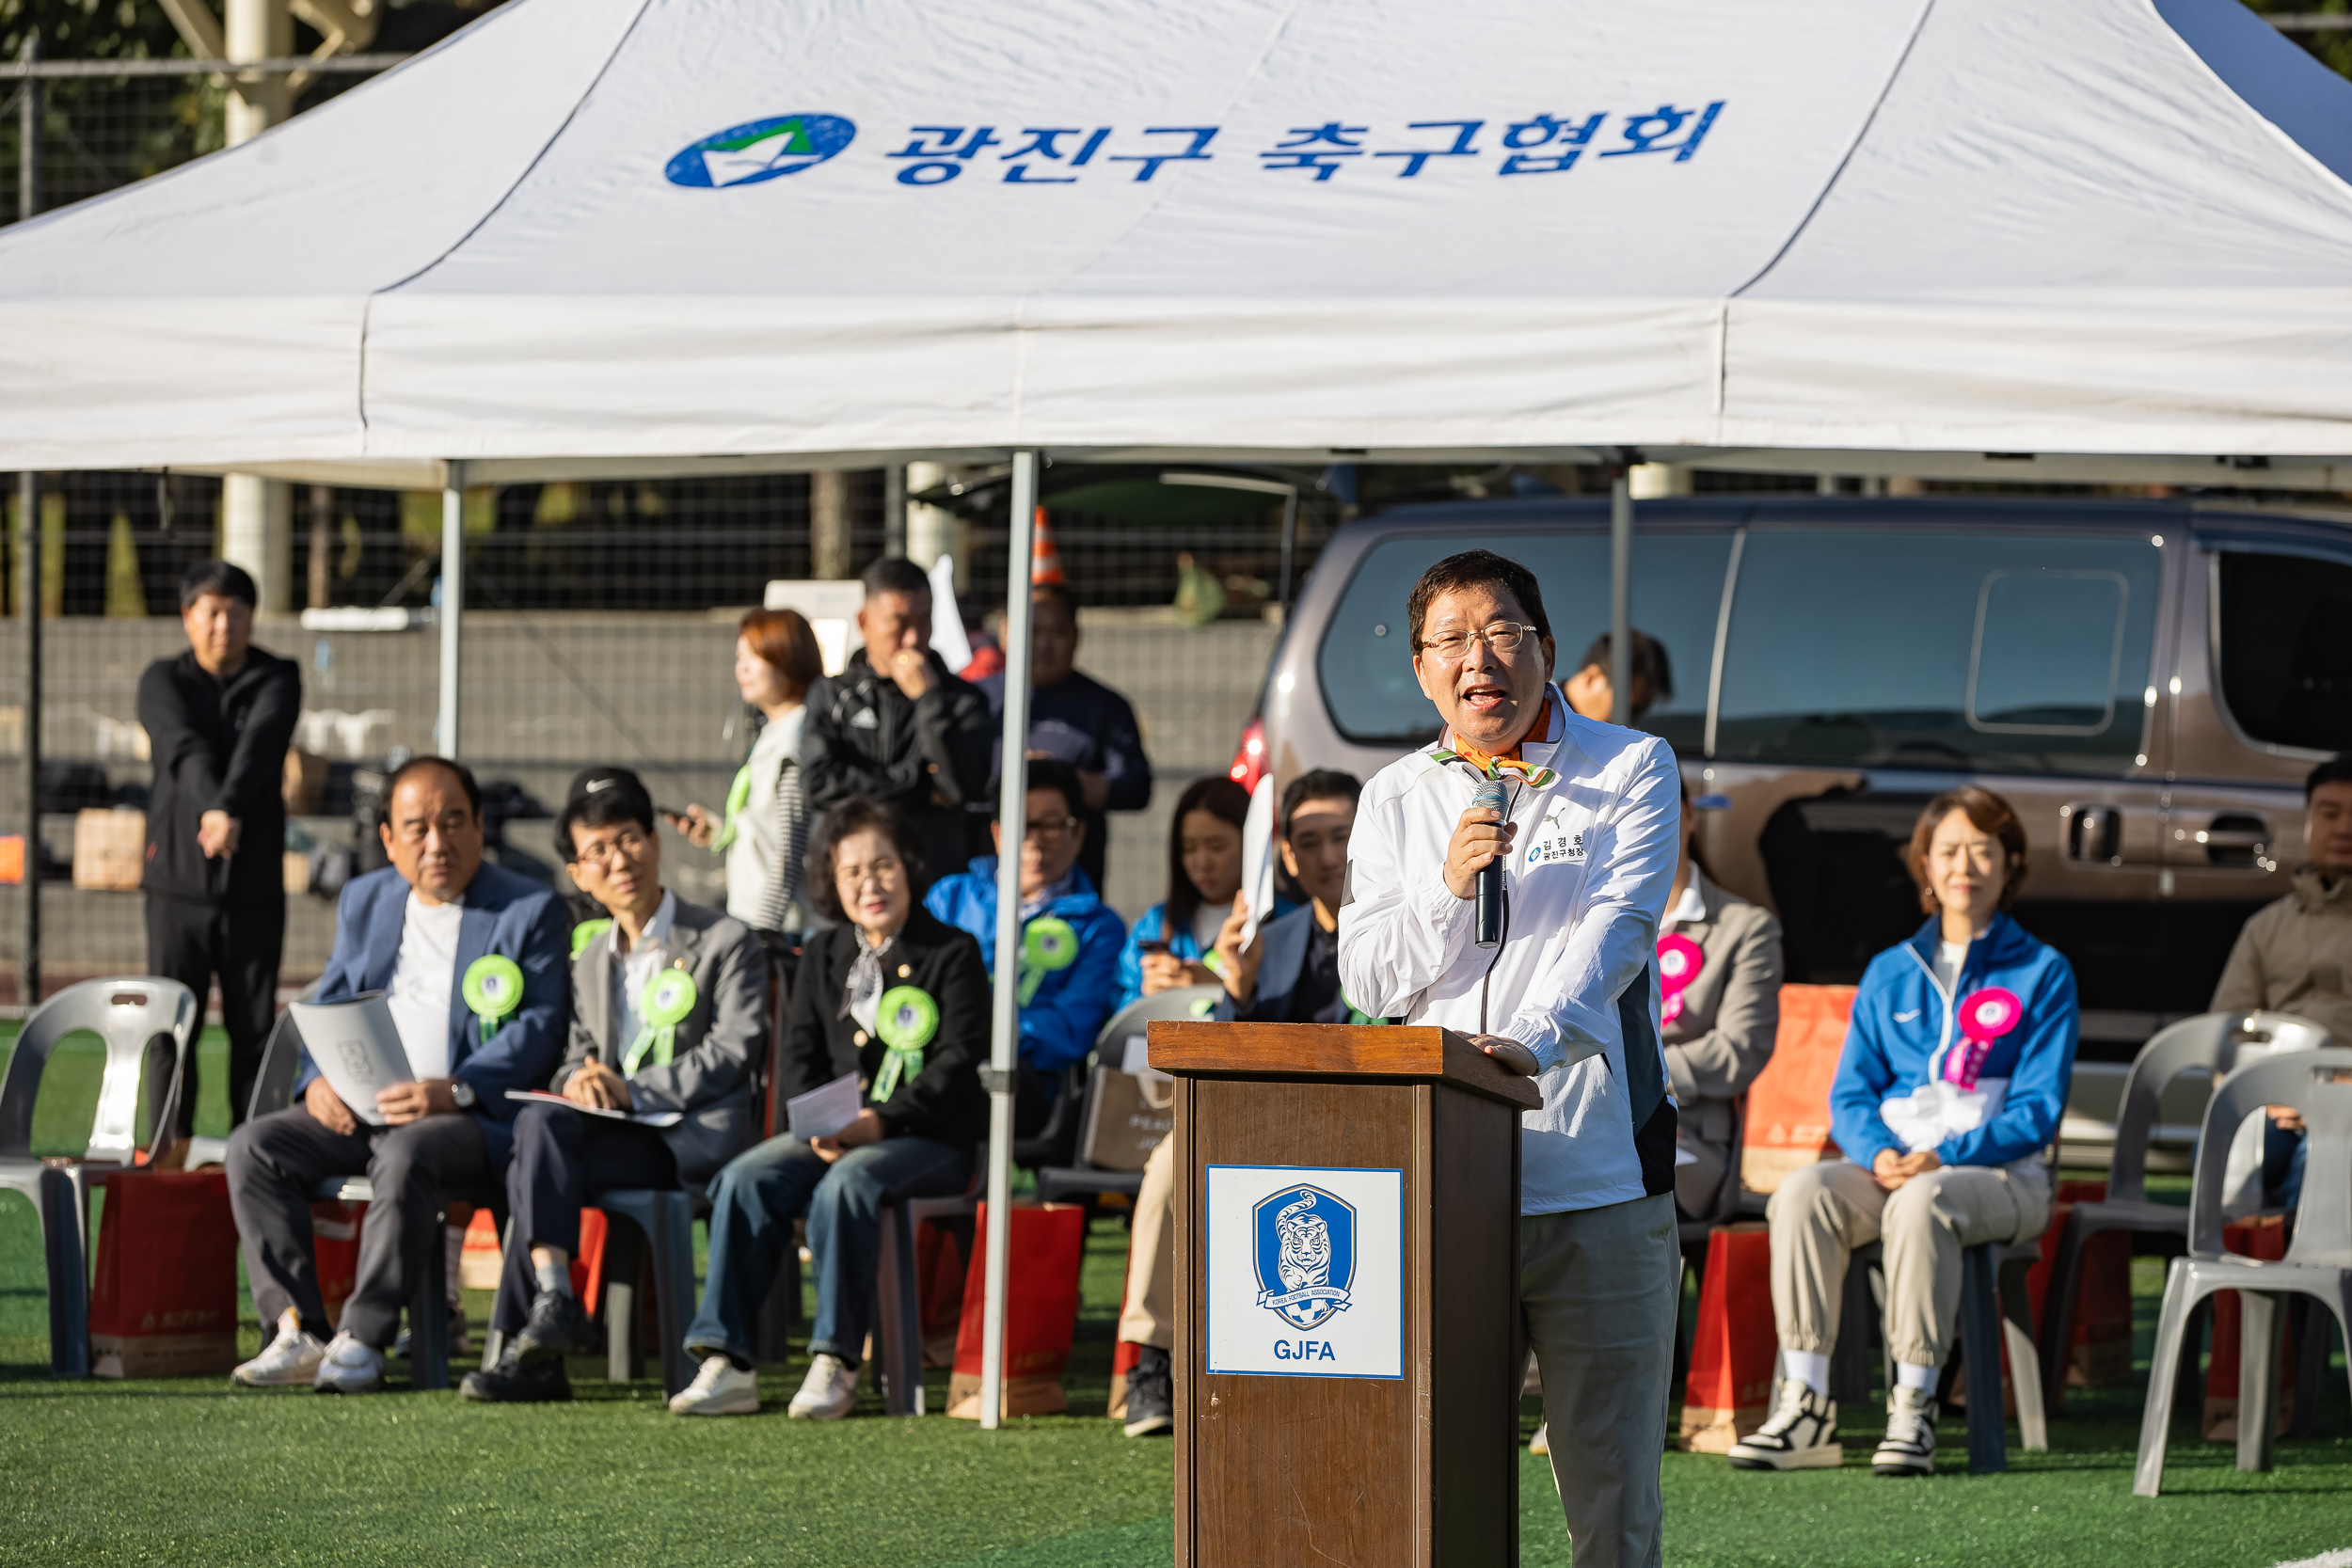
[{"x": 927, "y": 757}]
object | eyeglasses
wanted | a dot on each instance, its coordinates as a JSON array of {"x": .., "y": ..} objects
[
  {"x": 627, "y": 845},
  {"x": 1049, "y": 830},
  {"x": 1503, "y": 637}
]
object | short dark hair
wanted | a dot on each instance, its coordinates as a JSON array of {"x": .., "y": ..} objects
[
  {"x": 1991, "y": 814},
  {"x": 1475, "y": 569},
  {"x": 602, "y": 798},
  {"x": 2336, "y": 770},
  {"x": 1318, "y": 783},
  {"x": 894, "y": 574},
  {"x": 1060, "y": 592},
  {"x": 1650, "y": 663},
  {"x": 853, "y": 815},
  {"x": 1059, "y": 776},
  {"x": 217, "y": 576},
  {"x": 464, "y": 775}
]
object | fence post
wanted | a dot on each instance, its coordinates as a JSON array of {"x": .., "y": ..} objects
[{"x": 29, "y": 105}]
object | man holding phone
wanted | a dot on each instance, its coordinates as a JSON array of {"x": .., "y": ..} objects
[
  {"x": 1568, "y": 995},
  {"x": 430, "y": 931}
]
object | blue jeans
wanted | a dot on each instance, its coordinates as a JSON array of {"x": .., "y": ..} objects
[
  {"x": 753, "y": 1206},
  {"x": 2282, "y": 1166}
]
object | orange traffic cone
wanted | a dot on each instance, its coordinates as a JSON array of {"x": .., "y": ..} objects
[{"x": 1045, "y": 555}]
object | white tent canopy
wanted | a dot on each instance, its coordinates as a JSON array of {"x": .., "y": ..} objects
[{"x": 1943, "y": 228}]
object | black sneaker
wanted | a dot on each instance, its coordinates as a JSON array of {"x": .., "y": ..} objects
[
  {"x": 1802, "y": 1434},
  {"x": 558, "y": 1326},
  {"x": 1150, "y": 1394},
  {"x": 1909, "y": 1448},
  {"x": 516, "y": 1381}
]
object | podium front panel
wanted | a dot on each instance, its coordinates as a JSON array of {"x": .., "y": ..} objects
[{"x": 1327, "y": 1463}]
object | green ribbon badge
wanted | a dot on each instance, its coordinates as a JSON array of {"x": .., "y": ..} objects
[
  {"x": 586, "y": 932},
  {"x": 1050, "y": 944},
  {"x": 493, "y": 988},
  {"x": 739, "y": 796},
  {"x": 663, "y": 1005},
  {"x": 905, "y": 1020}
]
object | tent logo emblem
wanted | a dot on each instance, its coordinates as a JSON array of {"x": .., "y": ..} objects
[
  {"x": 1306, "y": 1246},
  {"x": 761, "y": 149}
]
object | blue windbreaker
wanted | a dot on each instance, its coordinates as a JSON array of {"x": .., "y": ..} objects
[
  {"x": 1893, "y": 1044},
  {"x": 1070, "y": 1006}
]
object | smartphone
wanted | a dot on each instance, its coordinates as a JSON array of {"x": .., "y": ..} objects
[{"x": 1154, "y": 947}]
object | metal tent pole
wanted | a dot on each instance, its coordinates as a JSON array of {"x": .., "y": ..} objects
[
  {"x": 28, "y": 107},
  {"x": 1621, "y": 594},
  {"x": 1012, "y": 800},
  {"x": 452, "y": 608}
]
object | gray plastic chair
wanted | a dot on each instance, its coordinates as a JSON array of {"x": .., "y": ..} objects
[
  {"x": 898, "y": 1292},
  {"x": 131, "y": 1014},
  {"x": 2210, "y": 1043},
  {"x": 1057, "y": 1184},
  {"x": 2317, "y": 1083}
]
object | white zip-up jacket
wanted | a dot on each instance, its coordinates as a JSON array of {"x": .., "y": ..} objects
[{"x": 1575, "y": 979}]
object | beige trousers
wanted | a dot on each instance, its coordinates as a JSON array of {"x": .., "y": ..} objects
[
  {"x": 1148, "y": 1317},
  {"x": 1598, "y": 1291},
  {"x": 1822, "y": 1212}
]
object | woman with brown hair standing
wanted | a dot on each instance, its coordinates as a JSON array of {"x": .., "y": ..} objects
[
  {"x": 764, "y": 830},
  {"x": 1953, "y": 1079}
]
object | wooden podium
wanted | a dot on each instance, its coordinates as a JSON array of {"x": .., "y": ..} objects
[{"x": 1347, "y": 1295}]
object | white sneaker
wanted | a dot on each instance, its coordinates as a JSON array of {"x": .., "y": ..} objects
[
  {"x": 1802, "y": 1434},
  {"x": 1541, "y": 1442},
  {"x": 717, "y": 1389},
  {"x": 1908, "y": 1447},
  {"x": 349, "y": 1368},
  {"x": 291, "y": 1359},
  {"x": 828, "y": 1393}
]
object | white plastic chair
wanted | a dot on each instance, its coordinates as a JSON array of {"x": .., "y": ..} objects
[{"x": 131, "y": 1014}]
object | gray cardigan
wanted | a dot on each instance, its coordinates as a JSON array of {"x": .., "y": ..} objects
[
  {"x": 709, "y": 1075},
  {"x": 1730, "y": 1017}
]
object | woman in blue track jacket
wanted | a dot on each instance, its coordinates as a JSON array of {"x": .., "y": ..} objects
[{"x": 1950, "y": 1088}]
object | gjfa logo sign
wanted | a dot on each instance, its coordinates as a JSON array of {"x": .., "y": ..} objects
[{"x": 1306, "y": 1271}]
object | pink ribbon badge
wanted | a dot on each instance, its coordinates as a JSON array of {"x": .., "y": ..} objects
[
  {"x": 1985, "y": 1015},
  {"x": 1680, "y": 960}
]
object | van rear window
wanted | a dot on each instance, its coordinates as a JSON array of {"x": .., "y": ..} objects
[
  {"x": 2014, "y": 653},
  {"x": 1365, "y": 664}
]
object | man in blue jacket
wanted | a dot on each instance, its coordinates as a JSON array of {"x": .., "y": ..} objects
[
  {"x": 421, "y": 930},
  {"x": 1070, "y": 939}
]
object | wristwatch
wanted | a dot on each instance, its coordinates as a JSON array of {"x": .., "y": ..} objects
[{"x": 462, "y": 1092}]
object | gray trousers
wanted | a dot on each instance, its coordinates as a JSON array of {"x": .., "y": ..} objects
[
  {"x": 275, "y": 1160},
  {"x": 1822, "y": 1212},
  {"x": 1599, "y": 1289}
]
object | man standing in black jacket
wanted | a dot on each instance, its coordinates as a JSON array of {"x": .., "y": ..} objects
[
  {"x": 897, "y": 725},
  {"x": 218, "y": 720}
]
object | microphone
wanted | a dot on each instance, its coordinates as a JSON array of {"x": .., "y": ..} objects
[{"x": 1486, "y": 931}]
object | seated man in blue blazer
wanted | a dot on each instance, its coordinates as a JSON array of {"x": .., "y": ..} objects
[
  {"x": 1291, "y": 973},
  {"x": 413, "y": 931}
]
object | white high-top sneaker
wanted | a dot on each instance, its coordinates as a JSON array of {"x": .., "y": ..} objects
[
  {"x": 719, "y": 1389},
  {"x": 349, "y": 1368},
  {"x": 1802, "y": 1434},
  {"x": 1908, "y": 1447},
  {"x": 288, "y": 1361},
  {"x": 828, "y": 1393}
]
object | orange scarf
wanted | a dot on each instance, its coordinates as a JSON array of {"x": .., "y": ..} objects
[{"x": 1493, "y": 763}]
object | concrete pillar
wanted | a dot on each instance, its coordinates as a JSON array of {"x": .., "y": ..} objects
[
  {"x": 933, "y": 531},
  {"x": 257, "y": 515},
  {"x": 257, "y": 534},
  {"x": 828, "y": 525}
]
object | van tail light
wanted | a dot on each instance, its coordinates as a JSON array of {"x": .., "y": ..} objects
[{"x": 1249, "y": 757}]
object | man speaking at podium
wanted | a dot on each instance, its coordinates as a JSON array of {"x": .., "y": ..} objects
[{"x": 1563, "y": 988}]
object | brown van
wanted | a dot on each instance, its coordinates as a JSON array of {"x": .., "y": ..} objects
[{"x": 2147, "y": 682}]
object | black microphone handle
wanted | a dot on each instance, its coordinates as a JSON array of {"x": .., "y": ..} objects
[{"x": 1486, "y": 929}]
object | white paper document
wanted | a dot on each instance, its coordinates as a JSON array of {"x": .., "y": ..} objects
[
  {"x": 642, "y": 1118},
  {"x": 355, "y": 1048},
  {"x": 1257, "y": 860},
  {"x": 823, "y": 1112}
]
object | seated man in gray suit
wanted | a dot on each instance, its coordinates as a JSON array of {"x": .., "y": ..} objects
[{"x": 669, "y": 1011}]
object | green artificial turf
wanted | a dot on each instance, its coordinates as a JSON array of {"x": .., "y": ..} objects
[{"x": 190, "y": 1472}]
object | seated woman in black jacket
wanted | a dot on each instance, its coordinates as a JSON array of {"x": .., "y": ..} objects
[{"x": 900, "y": 1000}]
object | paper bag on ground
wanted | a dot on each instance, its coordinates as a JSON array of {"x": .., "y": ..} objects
[{"x": 357, "y": 1048}]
